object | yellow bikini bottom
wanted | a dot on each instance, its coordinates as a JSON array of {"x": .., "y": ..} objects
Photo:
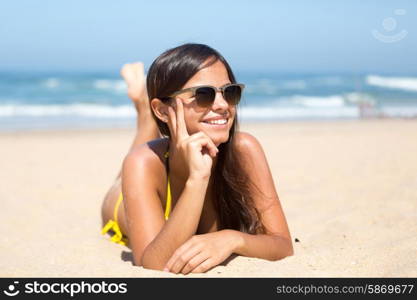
[{"x": 113, "y": 224}]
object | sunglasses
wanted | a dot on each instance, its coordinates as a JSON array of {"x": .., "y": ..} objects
[{"x": 205, "y": 94}]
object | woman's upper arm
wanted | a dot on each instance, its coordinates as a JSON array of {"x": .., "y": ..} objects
[
  {"x": 144, "y": 211},
  {"x": 266, "y": 199}
]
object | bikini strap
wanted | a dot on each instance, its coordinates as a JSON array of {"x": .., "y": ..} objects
[{"x": 169, "y": 197}]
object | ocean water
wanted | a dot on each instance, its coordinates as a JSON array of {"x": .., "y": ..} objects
[{"x": 99, "y": 100}]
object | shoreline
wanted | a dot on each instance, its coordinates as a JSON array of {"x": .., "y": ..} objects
[{"x": 129, "y": 125}]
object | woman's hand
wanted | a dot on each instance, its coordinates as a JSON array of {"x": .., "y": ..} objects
[
  {"x": 196, "y": 151},
  {"x": 202, "y": 252}
]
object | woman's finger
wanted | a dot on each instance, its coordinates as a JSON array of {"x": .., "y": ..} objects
[
  {"x": 172, "y": 123},
  {"x": 194, "y": 262},
  {"x": 206, "y": 142},
  {"x": 181, "y": 127},
  {"x": 184, "y": 258},
  {"x": 190, "y": 243},
  {"x": 210, "y": 146},
  {"x": 204, "y": 266},
  {"x": 175, "y": 256}
]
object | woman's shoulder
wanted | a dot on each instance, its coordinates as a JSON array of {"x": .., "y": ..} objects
[
  {"x": 150, "y": 154},
  {"x": 248, "y": 146},
  {"x": 246, "y": 142}
]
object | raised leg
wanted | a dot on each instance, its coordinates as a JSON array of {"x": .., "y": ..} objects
[
  {"x": 134, "y": 77},
  {"x": 146, "y": 130}
]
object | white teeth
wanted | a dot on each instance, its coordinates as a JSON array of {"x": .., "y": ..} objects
[{"x": 218, "y": 122}]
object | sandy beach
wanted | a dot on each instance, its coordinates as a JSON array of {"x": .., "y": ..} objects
[{"x": 348, "y": 188}]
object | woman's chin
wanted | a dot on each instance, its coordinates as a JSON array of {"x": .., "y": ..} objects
[
  {"x": 219, "y": 139},
  {"x": 218, "y": 134}
]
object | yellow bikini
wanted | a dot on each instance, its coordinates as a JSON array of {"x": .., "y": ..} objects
[{"x": 113, "y": 225}]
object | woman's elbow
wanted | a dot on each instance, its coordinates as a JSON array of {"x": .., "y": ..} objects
[
  {"x": 148, "y": 261},
  {"x": 284, "y": 250},
  {"x": 290, "y": 251},
  {"x": 138, "y": 258},
  {"x": 290, "y": 248}
]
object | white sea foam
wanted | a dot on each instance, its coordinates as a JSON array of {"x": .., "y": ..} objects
[
  {"x": 403, "y": 83},
  {"x": 113, "y": 85},
  {"x": 292, "y": 113},
  {"x": 358, "y": 98},
  {"x": 312, "y": 101},
  {"x": 51, "y": 83},
  {"x": 84, "y": 110},
  {"x": 257, "y": 113},
  {"x": 288, "y": 113},
  {"x": 123, "y": 111}
]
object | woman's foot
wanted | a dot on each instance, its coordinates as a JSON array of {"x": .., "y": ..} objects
[{"x": 134, "y": 76}]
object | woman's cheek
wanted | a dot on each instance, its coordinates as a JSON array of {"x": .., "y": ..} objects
[{"x": 194, "y": 126}]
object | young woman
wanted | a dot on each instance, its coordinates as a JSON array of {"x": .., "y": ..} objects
[{"x": 202, "y": 190}]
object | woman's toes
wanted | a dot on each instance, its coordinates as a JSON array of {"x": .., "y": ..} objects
[
  {"x": 138, "y": 67},
  {"x": 125, "y": 70},
  {"x": 133, "y": 73},
  {"x": 134, "y": 76}
]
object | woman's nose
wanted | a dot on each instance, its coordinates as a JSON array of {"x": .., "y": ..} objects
[{"x": 219, "y": 102}]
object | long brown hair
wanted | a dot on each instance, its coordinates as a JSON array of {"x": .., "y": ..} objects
[{"x": 233, "y": 191}]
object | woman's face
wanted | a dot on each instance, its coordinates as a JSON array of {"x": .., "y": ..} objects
[{"x": 199, "y": 118}]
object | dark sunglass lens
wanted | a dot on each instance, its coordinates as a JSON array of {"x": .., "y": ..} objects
[
  {"x": 232, "y": 94},
  {"x": 205, "y": 96}
]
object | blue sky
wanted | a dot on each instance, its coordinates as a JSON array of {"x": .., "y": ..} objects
[{"x": 276, "y": 36}]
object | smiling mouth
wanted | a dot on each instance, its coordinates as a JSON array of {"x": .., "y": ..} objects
[{"x": 216, "y": 122}]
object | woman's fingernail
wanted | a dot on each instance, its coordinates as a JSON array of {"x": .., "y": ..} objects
[{"x": 166, "y": 270}]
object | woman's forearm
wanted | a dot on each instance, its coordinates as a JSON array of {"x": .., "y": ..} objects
[
  {"x": 181, "y": 225},
  {"x": 270, "y": 247}
]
